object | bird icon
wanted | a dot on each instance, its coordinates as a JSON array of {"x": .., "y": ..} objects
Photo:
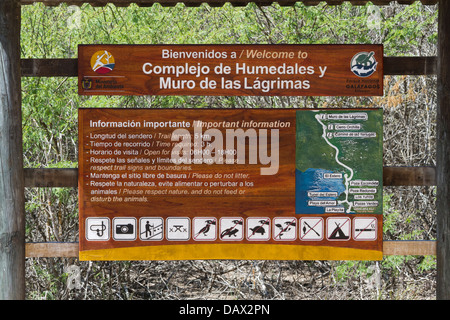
[{"x": 207, "y": 227}]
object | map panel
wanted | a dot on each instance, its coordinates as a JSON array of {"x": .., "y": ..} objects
[{"x": 339, "y": 162}]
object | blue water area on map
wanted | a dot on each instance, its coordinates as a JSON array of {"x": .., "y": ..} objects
[{"x": 313, "y": 180}]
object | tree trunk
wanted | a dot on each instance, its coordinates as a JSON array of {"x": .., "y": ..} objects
[
  {"x": 12, "y": 203},
  {"x": 443, "y": 153}
]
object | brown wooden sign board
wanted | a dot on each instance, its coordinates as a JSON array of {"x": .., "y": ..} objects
[
  {"x": 230, "y": 184},
  {"x": 231, "y": 70}
]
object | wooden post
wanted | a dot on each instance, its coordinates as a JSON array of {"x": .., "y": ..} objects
[
  {"x": 443, "y": 153},
  {"x": 12, "y": 208}
]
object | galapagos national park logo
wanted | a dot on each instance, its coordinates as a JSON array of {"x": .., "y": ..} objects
[
  {"x": 102, "y": 62},
  {"x": 363, "y": 64}
]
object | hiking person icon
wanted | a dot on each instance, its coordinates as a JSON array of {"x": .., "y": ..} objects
[{"x": 151, "y": 228}]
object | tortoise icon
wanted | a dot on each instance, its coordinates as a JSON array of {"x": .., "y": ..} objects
[{"x": 363, "y": 64}]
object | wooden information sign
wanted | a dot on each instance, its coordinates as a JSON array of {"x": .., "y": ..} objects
[
  {"x": 175, "y": 184},
  {"x": 231, "y": 70}
]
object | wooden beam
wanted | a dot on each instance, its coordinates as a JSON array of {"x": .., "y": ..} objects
[
  {"x": 409, "y": 176},
  {"x": 443, "y": 152},
  {"x": 49, "y": 67},
  {"x": 410, "y": 65},
  {"x": 191, "y": 3},
  {"x": 70, "y": 249},
  {"x": 392, "y": 176},
  {"x": 57, "y": 178},
  {"x": 69, "y": 67},
  {"x": 51, "y": 250},
  {"x": 12, "y": 200}
]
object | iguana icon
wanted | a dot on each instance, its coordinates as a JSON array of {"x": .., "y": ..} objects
[
  {"x": 232, "y": 231},
  {"x": 229, "y": 232}
]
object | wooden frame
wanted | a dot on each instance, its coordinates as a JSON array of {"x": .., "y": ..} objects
[{"x": 392, "y": 176}]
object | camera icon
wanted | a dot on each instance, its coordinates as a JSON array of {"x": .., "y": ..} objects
[{"x": 124, "y": 229}]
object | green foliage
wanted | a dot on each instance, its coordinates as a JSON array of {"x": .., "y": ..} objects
[
  {"x": 55, "y": 283},
  {"x": 55, "y": 32},
  {"x": 395, "y": 263},
  {"x": 427, "y": 264},
  {"x": 392, "y": 219},
  {"x": 346, "y": 270},
  {"x": 390, "y": 216},
  {"x": 403, "y": 30}
]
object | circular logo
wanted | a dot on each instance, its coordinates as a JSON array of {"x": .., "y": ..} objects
[
  {"x": 102, "y": 62},
  {"x": 363, "y": 64}
]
